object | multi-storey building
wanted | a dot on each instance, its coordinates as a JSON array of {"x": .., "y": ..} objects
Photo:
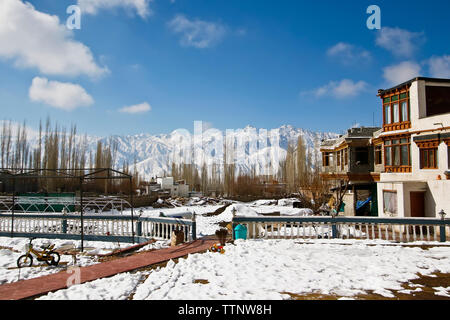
[
  {"x": 412, "y": 149},
  {"x": 409, "y": 157}
]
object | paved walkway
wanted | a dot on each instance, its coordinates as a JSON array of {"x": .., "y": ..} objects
[{"x": 33, "y": 287}]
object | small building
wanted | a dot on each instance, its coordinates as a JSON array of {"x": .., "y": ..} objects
[
  {"x": 348, "y": 164},
  {"x": 176, "y": 189}
]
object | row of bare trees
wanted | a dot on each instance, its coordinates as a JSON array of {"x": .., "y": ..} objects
[
  {"x": 55, "y": 147},
  {"x": 301, "y": 172},
  {"x": 298, "y": 173}
]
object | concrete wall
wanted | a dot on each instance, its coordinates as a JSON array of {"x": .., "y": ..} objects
[
  {"x": 437, "y": 196},
  {"x": 349, "y": 200},
  {"x": 180, "y": 190}
]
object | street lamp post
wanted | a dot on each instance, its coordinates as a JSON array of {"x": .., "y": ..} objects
[{"x": 443, "y": 236}]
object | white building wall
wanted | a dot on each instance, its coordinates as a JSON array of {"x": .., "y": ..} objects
[
  {"x": 438, "y": 197},
  {"x": 165, "y": 183}
]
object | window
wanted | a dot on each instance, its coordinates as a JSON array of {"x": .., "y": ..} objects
[
  {"x": 396, "y": 108},
  {"x": 397, "y": 152},
  {"x": 390, "y": 202},
  {"x": 339, "y": 158},
  {"x": 361, "y": 156},
  {"x": 378, "y": 154},
  {"x": 428, "y": 158},
  {"x": 438, "y": 100},
  {"x": 346, "y": 156},
  {"x": 326, "y": 159}
]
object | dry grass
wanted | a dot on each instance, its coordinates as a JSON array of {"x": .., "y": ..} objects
[
  {"x": 202, "y": 281},
  {"x": 426, "y": 283}
]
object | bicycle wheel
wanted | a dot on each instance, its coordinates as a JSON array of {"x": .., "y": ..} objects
[
  {"x": 25, "y": 261},
  {"x": 53, "y": 259}
]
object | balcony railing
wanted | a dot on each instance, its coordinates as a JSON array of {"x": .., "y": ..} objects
[{"x": 367, "y": 228}]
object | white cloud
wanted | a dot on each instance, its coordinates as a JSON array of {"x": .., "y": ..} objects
[
  {"x": 348, "y": 53},
  {"x": 439, "y": 66},
  {"x": 399, "y": 73},
  {"x": 93, "y": 6},
  {"x": 401, "y": 43},
  {"x": 138, "y": 108},
  {"x": 33, "y": 39},
  {"x": 197, "y": 33},
  {"x": 339, "y": 89},
  {"x": 61, "y": 95}
]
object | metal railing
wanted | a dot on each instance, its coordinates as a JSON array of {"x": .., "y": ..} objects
[
  {"x": 369, "y": 228},
  {"x": 25, "y": 204},
  {"x": 95, "y": 227}
]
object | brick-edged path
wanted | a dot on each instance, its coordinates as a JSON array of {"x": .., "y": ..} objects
[{"x": 42, "y": 285}]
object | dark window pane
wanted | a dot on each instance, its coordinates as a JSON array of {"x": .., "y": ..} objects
[
  {"x": 387, "y": 151},
  {"x": 405, "y": 155},
  {"x": 362, "y": 156},
  {"x": 438, "y": 100},
  {"x": 432, "y": 156},
  {"x": 396, "y": 156}
]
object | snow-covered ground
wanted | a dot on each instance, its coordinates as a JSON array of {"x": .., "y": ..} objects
[
  {"x": 253, "y": 269},
  {"x": 274, "y": 269},
  {"x": 12, "y": 248}
]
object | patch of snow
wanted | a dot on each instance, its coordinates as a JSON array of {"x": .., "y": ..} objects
[
  {"x": 118, "y": 287},
  {"x": 441, "y": 291},
  {"x": 259, "y": 269}
]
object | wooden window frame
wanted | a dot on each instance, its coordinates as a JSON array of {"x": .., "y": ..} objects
[
  {"x": 400, "y": 124},
  {"x": 401, "y": 167},
  {"x": 424, "y": 154},
  {"x": 326, "y": 159},
  {"x": 378, "y": 154}
]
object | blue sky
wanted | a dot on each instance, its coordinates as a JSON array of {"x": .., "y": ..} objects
[{"x": 156, "y": 66}]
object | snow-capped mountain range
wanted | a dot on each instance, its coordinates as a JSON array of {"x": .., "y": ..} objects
[{"x": 260, "y": 149}]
